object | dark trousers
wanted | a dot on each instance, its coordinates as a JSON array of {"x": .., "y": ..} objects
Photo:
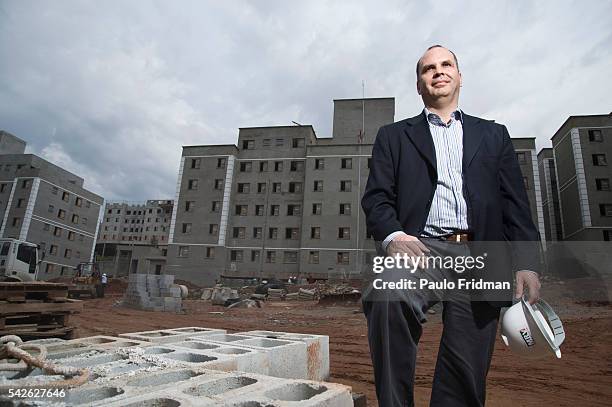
[{"x": 395, "y": 323}]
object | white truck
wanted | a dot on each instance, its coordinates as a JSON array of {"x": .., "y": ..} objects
[{"x": 19, "y": 260}]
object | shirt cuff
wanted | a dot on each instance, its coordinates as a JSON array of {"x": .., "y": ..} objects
[{"x": 389, "y": 238}]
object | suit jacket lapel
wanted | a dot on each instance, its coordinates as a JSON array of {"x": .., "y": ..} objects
[
  {"x": 472, "y": 137},
  {"x": 418, "y": 132}
]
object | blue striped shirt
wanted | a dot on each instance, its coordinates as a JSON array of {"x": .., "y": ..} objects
[{"x": 448, "y": 212}]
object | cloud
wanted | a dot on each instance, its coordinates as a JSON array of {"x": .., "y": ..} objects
[{"x": 113, "y": 92}]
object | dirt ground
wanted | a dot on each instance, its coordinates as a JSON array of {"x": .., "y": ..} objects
[{"x": 582, "y": 377}]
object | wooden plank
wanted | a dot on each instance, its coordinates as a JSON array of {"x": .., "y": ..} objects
[{"x": 69, "y": 305}]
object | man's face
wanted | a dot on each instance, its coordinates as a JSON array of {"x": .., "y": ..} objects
[{"x": 439, "y": 76}]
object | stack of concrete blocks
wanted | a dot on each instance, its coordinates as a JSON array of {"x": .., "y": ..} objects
[
  {"x": 219, "y": 294},
  {"x": 153, "y": 292},
  {"x": 195, "y": 366}
]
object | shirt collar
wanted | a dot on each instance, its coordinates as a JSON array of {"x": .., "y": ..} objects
[{"x": 433, "y": 118}]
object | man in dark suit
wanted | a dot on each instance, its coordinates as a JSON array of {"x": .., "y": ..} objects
[{"x": 440, "y": 177}]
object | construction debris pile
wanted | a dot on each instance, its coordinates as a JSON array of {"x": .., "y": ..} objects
[
  {"x": 277, "y": 291},
  {"x": 153, "y": 292},
  {"x": 191, "y": 366},
  {"x": 37, "y": 310}
]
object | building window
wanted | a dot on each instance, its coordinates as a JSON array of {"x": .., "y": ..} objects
[
  {"x": 248, "y": 144},
  {"x": 216, "y": 205},
  {"x": 345, "y": 186},
  {"x": 192, "y": 184},
  {"x": 344, "y": 233},
  {"x": 71, "y": 235},
  {"x": 297, "y": 142},
  {"x": 605, "y": 209},
  {"x": 255, "y": 256},
  {"x": 315, "y": 232},
  {"x": 263, "y": 166},
  {"x": 242, "y": 210},
  {"x": 599, "y": 160},
  {"x": 84, "y": 221},
  {"x": 266, "y": 142},
  {"x": 53, "y": 249},
  {"x": 210, "y": 253},
  {"x": 195, "y": 163},
  {"x": 213, "y": 229},
  {"x": 218, "y": 184},
  {"x": 257, "y": 233},
  {"x": 319, "y": 164},
  {"x": 346, "y": 163},
  {"x": 297, "y": 166},
  {"x": 316, "y": 208},
  {"x": 189, "y": 205},
  {"x": 294, "y": 210},
  {"x": 49, "y": 268},
  {"x": 246, "y": 166},
  {"x": 61, "y": 214},
  {"x": 292, "y": 233},
  {"x": 526, "y": 182},
  {"x": 603, "y": 184},
  {"x": 67, "y": 253},
  {"x": 221, "y": 162},
  {"x": 186, "y": 227},
  {"x": 295, "y": 187},
  {"x": 236, "y": 255},
  {"x": 279, "y": 142},
  {"x": 19, "y": 203},
  {"x": 26, "y": 183},
  {"x": 46, "y": 226},
  {"x": 270, "y": 256},
  {"x": 244, "y": 188},
  {"x": 75, "y": 218},
  {"x": 238, "y": 233},
  {"x": 318, "y": 186},
  {"x": 65, "y": 196},
  {"x": 521, "y": 157},
  {"x": 290, "y": 257},
  {"x": 345, "y": 209},
  {"x": 274, "y": 210},
  {"x": 313, "y": 257},
  {"x": 342, "y": 258},
  {"x": 183, "y": 251},
  {"x": 278, "y": 166},
  {"x": 273, "y": 233},
  {"x": 595, "y": 135},
  {"x": 259, "y": 210},
  {"x": 16, "y": 221},
  {"x": 78, "y": 202},
  {"x": 261, "y": 187},
  {"x": 54, "y": 190}
]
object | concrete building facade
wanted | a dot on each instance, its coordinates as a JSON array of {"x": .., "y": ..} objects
[
  {"x": 284, "y": 202},
  {"x": 582, "y": 150},
  {"x": 45, "y": 204},
  {"x": 145, "y": 223}
]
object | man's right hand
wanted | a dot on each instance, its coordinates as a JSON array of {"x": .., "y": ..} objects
[{"x": 408, "y": 244}]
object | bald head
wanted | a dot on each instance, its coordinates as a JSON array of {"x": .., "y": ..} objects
[{"x": 418, "y": 66}]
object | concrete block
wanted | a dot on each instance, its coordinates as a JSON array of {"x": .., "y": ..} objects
[
  {"x": 172, "y": 335},
  {"x": 317, "y": 349},
  {"x": 287, "y": 359}
]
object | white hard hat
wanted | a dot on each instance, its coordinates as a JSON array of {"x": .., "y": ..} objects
[{"x": 532, "y": 330}]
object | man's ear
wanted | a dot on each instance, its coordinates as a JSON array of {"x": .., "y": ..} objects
[
  {"x": 460, "y": 80},
  {"x": 418, "y": 87}
]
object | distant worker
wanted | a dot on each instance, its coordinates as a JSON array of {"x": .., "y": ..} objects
[{"x": 103, "y": 281}]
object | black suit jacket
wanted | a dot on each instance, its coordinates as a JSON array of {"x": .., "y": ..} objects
[{"x": 403, "y": 179}]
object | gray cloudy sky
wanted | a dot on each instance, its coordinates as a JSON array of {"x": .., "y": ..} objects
[{"x": 112, "y": 90}]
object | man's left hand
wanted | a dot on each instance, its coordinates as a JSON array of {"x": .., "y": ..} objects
[{"x": 529, "y": 280}]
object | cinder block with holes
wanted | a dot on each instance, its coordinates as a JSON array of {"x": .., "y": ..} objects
[{"x": 172, "y": 335}]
